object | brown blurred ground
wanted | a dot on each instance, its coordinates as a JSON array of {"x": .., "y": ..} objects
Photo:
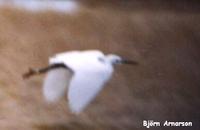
[{"x": 165, "y": 86}]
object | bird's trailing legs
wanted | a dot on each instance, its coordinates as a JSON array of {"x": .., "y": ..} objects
[{"x": 32, "y": 72}]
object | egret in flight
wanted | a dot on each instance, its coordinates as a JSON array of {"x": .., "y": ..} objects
[{"x": 80, "y": 74}]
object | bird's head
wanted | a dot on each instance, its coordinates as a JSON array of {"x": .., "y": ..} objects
[{"x": 115, "y": 59}]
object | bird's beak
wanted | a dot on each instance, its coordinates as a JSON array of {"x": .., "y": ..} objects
[{"x": 129, "y": 62}]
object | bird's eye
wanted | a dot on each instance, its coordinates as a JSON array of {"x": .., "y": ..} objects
[
  {"x": 101, "y": 59},
  {"x": 117, "y": 61}
]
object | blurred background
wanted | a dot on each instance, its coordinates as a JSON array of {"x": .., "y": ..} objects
[{"x": 162, "y": 35}]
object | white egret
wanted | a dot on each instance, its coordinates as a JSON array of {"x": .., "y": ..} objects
[{"x": 80, "y": 73}]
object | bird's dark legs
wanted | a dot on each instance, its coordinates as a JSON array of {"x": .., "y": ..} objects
[{"x": 32, "y": 72}]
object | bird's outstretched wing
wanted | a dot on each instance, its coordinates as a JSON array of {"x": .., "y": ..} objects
[
  {"x": 84, "y": 87},
  {"x": 56, "y": 83}
]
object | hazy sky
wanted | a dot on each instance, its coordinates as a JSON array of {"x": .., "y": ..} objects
[{"x": 36, "y": 5}]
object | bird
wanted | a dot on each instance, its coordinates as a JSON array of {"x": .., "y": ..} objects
[{"x": 79, "y": 74}]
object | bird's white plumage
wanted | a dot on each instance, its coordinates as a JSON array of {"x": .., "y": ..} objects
[
  {"x": 77, "y": 60},
  {"x": 56, "y": 83},
  {"x": 89, "y": 76},
  {"x": 85, "y": 85},
  {"x": 83, "y": 89}
]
